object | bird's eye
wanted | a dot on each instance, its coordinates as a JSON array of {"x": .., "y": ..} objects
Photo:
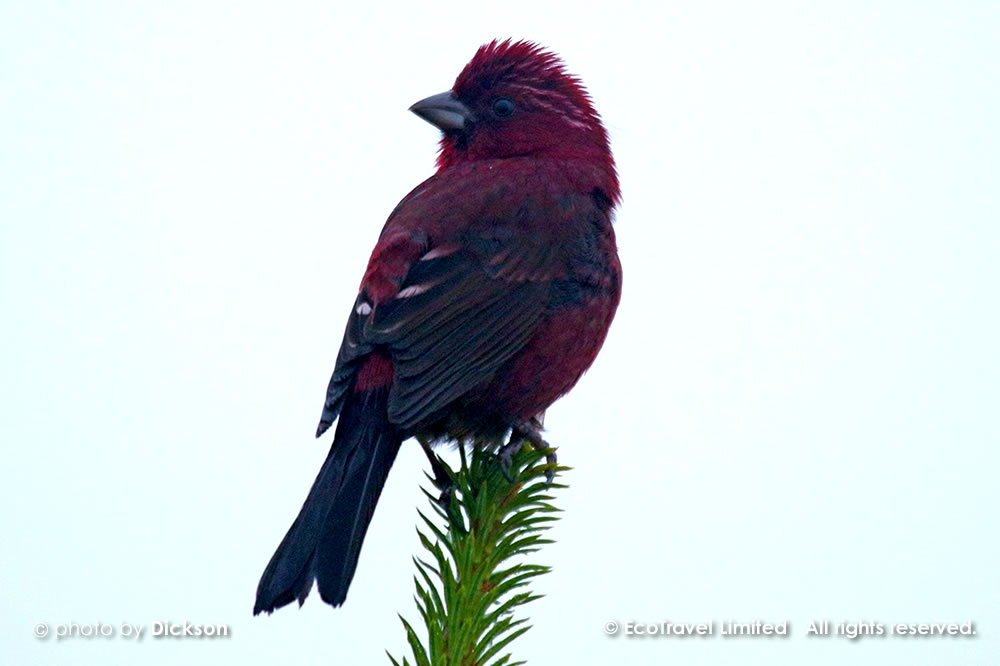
[{"x": 503, "y": 107}]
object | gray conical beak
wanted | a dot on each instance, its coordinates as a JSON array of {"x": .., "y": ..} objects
[{"x": 444, "y": 111}]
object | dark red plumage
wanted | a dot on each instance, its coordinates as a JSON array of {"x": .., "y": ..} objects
[{"x": 488, "y": 295}]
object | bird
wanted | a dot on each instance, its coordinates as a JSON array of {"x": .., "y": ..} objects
[{"x": 489, "y": 293}]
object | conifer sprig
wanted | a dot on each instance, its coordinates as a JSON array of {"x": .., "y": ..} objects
[{"x": 476, "y": 571}]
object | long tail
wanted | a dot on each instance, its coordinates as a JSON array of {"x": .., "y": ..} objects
[{"x": 325, "y": 540}]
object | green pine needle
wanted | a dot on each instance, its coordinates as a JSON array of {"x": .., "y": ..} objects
[{"x": 475, "y": 579}]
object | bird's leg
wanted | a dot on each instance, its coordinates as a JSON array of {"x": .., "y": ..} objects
[
  {"x": 442, "y": 479},
  {"x": 506, "y": 454},
  {"x": 529, "y": 432}
]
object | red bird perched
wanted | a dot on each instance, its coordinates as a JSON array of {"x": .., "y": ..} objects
[{"x": 488, "y": 295}]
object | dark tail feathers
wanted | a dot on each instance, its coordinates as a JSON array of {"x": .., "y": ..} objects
[{"x": 325, "y": 540}]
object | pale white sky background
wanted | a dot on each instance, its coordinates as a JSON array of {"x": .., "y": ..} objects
[{"x": 795, "y": 416}]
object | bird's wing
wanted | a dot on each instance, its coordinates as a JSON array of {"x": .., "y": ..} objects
[
  {"x": 449, "y": 328},
  {"x": 353, "y": 350},
  {"x": 450, "y": 314}
]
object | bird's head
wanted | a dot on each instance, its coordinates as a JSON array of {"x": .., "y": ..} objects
[{"x": 515, "y": 99}]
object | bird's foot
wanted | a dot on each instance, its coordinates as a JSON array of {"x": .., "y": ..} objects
[
  {"x": 553, "y": 461},
  {"x": 530, "y": 433},
  {"x": 506, "y": 455}
]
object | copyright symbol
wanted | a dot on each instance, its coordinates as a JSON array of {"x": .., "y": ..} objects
[
  {"x": 41, "y": 630},
  {"x": 611, "y": 628}
]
